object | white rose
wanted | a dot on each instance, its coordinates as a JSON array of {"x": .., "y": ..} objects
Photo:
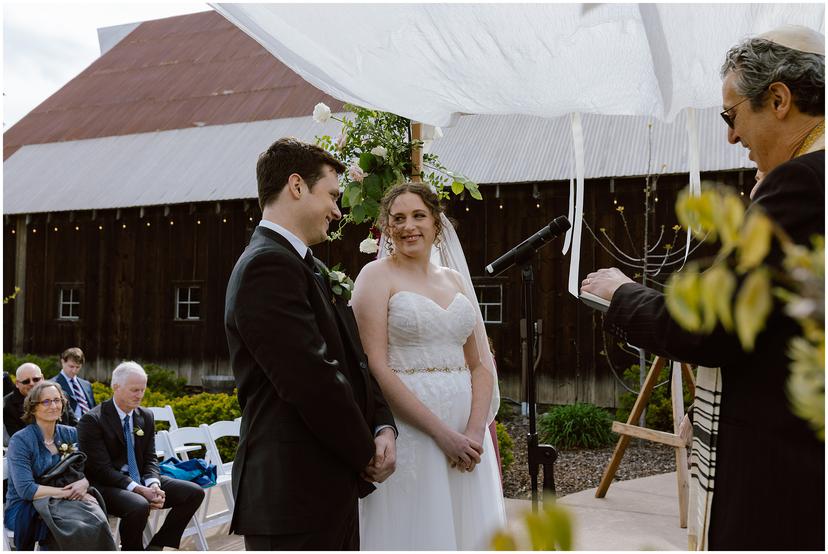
[
  {"x": 379, "y": 151},
  {"x": 345, "y": 286},
  {"x": 321, "y": 113},
  {"x": 338, "y": 276},
  {"x": 369, "y": 246}
]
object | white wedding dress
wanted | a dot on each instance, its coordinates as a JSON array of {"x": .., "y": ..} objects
[{"x": 426, "y": 504}]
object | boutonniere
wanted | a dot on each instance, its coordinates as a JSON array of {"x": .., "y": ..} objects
[
  {"x": 138, "y": 432},
  {"x": 66, "y": 448},
  {"x": 341, "y": 285}
]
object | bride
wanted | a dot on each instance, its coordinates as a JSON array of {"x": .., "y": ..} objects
[{"x": 426, "y": 344}]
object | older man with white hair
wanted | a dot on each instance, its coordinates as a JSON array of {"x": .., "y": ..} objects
[
  {"x": 769, "y": 491},
  {"x": 118, "y": 437}
]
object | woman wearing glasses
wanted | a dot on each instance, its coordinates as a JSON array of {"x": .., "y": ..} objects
[{"x": 32, "y": 451}]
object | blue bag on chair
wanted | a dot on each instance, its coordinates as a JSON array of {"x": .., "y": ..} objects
[{"x": 196, "y": 470}]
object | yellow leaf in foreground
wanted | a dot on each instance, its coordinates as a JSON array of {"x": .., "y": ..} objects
[
  {"x": 698, "y": 212},
  {"x": 717, "y": 285},
  {"x": 753, "y": 304},
  {"x": 729, "y": 219},
  {"x": 683, "y": 298},
  {"x": 806, "y": 383},
  {"x": 755, "y": 243}
]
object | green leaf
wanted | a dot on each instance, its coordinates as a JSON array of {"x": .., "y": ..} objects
[
  {"x": 729, "y": 219},
  {"x": 474, "y": 190},
  {"x": 336, "y": 289},
  {"x": 354, "y": 194},
  {"x": 371, "y": 207},
  {"x": 753, "y": 304},
  {"x": 372, "y": 187},
  {"x": 457, "y": 187},
  {"x": 358, "y": 213},
  {"x": 367, "y": 161},
  {"x": 717, "y": 287}
]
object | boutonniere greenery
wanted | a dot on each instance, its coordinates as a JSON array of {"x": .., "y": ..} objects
[
  {"x": 341, "y": 284},
  {"x": 66, "y": 448},
  {"x": 138, "y": 431}
]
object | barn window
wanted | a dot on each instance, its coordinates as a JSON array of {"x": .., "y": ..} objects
[
  {"x": 490, "y": 298},
  {"x": 69, "y": 303},
  {"x": 187, "y": 303}
]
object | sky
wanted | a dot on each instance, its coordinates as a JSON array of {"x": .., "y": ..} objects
[{"x": 45, "y": 45}]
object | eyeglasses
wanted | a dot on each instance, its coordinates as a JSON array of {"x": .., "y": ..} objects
[
  {"x": 30, "y": 380},
  {"x": 51, "y": 402},
  {"x": 726, "y": 116}
]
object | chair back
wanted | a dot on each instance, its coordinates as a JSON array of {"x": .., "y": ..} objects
[
  {"x": 218, "y": 430},
  {"x": 164, "y": 414}
]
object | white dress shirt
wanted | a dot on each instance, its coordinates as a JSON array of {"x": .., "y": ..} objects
[{"x": 121, "y": 415}]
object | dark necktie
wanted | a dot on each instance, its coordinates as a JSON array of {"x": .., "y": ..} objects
[
  {"x": 309, "y": 261},
  {"x": 79, "y": 396},
  {"x": 132, "y": 463}
]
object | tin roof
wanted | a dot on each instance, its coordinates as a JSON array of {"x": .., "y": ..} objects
[{"x": 174, "y": 73}]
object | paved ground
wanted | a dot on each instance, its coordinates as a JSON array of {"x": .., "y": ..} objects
[{"x": 640, "y": 514}]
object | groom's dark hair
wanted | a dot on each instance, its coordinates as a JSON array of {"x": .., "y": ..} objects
[{"x": 286, "y": 156}]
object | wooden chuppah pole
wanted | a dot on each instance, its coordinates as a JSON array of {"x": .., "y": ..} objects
[{"x": 416, "y": 152}]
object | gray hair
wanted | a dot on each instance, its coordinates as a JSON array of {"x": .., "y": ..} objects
[
  {"x": 758, "y": 62},
  {"x": 124, "y": 370}
]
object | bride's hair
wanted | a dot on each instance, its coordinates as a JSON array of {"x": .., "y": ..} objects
[{"x": 429, "y": 198}]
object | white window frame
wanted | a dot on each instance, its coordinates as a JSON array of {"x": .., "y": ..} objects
[
  {"x": 188, "y": 302},
  {"x": 484, "y": 306},
  {"x": 73, "y": 302}
]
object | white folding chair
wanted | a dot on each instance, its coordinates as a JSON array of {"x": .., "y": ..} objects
[
  {"x": 164, "y": 445},
  {"x": 218, "y": 430},
  {"x": 166, "y": 414},
  {"x": 199, "y": 436}
]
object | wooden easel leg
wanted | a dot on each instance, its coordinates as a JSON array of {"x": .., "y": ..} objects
[
  {"x": 682, "y": 471},
  {"x": 691, "y": 381},
  {"x": 623, "y": 440}
]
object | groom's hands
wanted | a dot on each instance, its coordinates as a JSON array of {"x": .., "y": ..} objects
[{"x": 384, "y": 462}]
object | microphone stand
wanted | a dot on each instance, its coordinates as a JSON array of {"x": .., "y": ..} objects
[{"x": 539, "y": 454}]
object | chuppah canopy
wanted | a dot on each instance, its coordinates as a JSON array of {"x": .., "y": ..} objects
[{"x": 432, "y": 63}]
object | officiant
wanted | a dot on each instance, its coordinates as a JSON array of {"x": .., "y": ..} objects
[{"x": 769, "y": 468}]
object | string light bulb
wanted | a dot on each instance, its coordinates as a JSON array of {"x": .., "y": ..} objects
[
  {"x": 198, "y": 222},
  {"x": 77, "y": 228}
]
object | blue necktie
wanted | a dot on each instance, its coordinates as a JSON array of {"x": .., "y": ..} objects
[{"x": 132, "y": 464}]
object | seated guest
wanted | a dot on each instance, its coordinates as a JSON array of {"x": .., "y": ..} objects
[
  {"x": 77, "y": 389},
  {"x": 118, "y": 437},
  {"x": 8, "y": 384},
  {"x": 27, "y": 376},
  {"x": 32, "y": 451}
]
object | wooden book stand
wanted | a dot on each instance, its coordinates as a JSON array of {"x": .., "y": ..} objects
[{"x": 631, "y": 429}]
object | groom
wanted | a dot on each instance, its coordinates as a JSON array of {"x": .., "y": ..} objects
[{"x": 315, "y": 428}]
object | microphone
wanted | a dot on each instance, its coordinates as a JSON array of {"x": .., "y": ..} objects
[{"x": 526, "y": 249}]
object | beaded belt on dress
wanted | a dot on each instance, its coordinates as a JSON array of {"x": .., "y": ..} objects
[{"x": 430, "y": 370}]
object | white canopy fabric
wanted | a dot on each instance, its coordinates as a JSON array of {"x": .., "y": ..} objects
[{"x": 433, "y": 62}]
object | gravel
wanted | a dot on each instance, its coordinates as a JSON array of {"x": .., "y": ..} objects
[{"x": 580, "y": 469}]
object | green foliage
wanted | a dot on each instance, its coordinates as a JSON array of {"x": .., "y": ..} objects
[
  {"x": 164, "y": 380},
  {"x": 377, "y": 149},
  {"x": 505, "y": 446},
  {"x": 577, "y": 425},
  {"x": 660, "y": 407},
  {"x": 549, "y": 529},
  {"x": 50, "y": 365},
  {"x": 190, "y": 411},
  {"x": 506, "y": 411}
]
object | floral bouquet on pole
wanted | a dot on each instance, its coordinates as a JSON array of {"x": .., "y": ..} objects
[{"x": 379, "y": 151}]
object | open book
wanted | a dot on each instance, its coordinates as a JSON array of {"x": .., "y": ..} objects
[{"x": 594, "y": 302}]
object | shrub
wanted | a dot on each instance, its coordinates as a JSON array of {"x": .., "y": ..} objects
[
  {"x": 507, "y": 410},
  {"x": 164, "y": 380},
  {"x": 50, "y": 365},
  {"x": 660, "y": 407},
  {"x": 576, "y": 425},
  {"x": 505, "y": 445}
]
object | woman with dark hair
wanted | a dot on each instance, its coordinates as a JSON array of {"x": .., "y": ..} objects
[
  {"x": 32, "y": 452},
  {"x": 423, "y": 333}
]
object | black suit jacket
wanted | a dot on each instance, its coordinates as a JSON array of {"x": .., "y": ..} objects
[
  {"x": 101, "y": 438},
  {"x": 766, "y": 456},
  {"x": 309, "y": 404}
]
